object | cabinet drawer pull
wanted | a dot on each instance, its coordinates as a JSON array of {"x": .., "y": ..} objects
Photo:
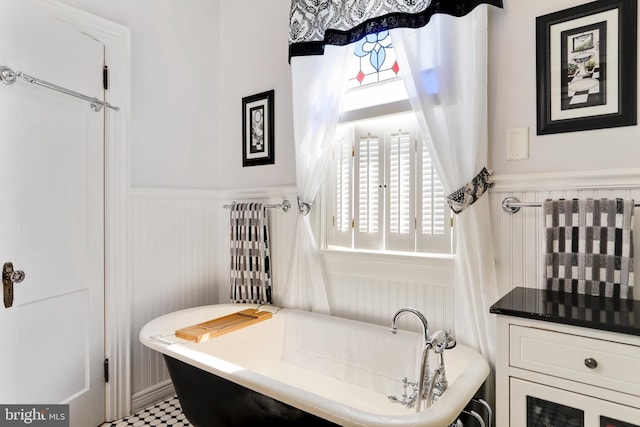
[{"x": 590, "y": 363}]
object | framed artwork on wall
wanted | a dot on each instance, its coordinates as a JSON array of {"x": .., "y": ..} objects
[
  {"x": 586, "y": 67},
  {"x": 257, "y": 129}
]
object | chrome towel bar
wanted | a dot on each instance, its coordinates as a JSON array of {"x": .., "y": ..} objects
[
  {"x": 285, "y": 206},
  {"x": 513, "y": 204},
  {"x": 8, "y": 77}
]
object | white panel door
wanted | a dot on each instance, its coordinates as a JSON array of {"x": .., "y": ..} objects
[{"x": 51, "y": 216}]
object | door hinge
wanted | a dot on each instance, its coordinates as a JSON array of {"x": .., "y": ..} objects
[
  {"x": 106, "y": 370},
  {"x": 105, "y": 77}
]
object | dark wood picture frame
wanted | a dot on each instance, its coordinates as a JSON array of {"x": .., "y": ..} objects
[
  {"x": 257, "y": 129},
  {"x": 586, "y": 67}
]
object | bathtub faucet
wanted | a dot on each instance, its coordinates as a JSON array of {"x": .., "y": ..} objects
[
  {"x": 424, "y": 364},
  {"x": 437, "y": 382},
  {"x": 423, "y": 320},
  {"x": 430, "y": 385}
]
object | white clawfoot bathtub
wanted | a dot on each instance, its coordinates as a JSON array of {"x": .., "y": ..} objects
[{"x": 339, "y": 371}]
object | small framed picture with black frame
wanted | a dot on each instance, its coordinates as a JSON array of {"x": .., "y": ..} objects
[{"x": 257, "y": 129}]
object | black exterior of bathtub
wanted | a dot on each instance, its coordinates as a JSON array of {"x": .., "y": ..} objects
[{"x": 211, "y": 401}]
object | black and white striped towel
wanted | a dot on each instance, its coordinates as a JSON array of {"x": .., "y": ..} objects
[
  {"x": 250, "y": 254},
  {"x": 589, "y": 246}
]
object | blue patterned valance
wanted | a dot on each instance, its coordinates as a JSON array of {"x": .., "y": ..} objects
[{"x": 316, "y": 23}]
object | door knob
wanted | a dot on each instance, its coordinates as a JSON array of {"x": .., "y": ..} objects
[{"x": 9, "y": 277}]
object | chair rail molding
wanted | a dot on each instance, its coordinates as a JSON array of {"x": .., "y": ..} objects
[
  {"x": 273, "y": 192},
  {"x": 596, "y": 179}
]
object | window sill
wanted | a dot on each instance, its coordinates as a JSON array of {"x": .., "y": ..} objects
[{"x": 389, "y": 265}]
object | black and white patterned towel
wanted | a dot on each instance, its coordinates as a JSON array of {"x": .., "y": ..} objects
[
  {"x": 589, "y": 246},
  {"x": 250, "y": 254}
]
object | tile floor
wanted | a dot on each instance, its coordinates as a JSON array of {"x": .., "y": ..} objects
[{"x": 163, "y": 414}]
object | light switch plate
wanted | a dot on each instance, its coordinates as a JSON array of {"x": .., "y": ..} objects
[{"x": 518, "y": 143}]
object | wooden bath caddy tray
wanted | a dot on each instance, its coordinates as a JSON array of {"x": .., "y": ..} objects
[{"x": 222, "y": 325}]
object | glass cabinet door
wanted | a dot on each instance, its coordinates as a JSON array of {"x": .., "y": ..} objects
[
  {"x": 610, "y": 422},
  {"x": 543, "y": 413},
  {"x": 537, "y": 405}
]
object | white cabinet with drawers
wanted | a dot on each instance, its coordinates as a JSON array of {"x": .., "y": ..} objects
[{"x": 553, "y": 374}]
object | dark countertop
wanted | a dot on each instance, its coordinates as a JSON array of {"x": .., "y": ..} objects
[{"x": 601, "y": 313}]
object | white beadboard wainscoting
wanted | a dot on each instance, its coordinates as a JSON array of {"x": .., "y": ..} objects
[
  {"x": 372, "y": 287},
  {"x": 173, "y": 246},
  {"x": 519, "y": 237},
  {"x": 179, "y": 258}
]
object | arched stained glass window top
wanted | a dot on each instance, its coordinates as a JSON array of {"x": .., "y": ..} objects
[{"x": 375, "y": 60}]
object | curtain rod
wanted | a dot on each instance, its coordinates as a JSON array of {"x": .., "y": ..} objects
[
  {"x": 285, "y": 206},
  {"x": 513, "y": 204},
  {"x": 8, "y": 77}
]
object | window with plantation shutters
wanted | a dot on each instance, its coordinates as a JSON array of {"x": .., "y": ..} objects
[
  {"x": 383, "y": 193},
  {"x": 340, "y": 179},
  {"x": 383, "y": 177},
  {"x": 400, "y": 191},
  {"x": 368, "y": 196},
  {"x": 433, "y": 215}
]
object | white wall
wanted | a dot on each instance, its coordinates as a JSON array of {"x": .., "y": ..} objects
[
  {"x": 512, "y": 102},
  {"x": 254, "y": 59},
  {"x": 175, "y": 84},
  {"x": 193, "y": 61},
  {"x": 190, "y": 70}
]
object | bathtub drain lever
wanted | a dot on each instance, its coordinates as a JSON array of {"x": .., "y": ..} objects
[{"x": 407, "y": 401}]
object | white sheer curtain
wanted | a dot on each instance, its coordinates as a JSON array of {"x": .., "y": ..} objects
[
  {"x": 318, "y": 88},
  {"x": 447, "y": 84}
]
